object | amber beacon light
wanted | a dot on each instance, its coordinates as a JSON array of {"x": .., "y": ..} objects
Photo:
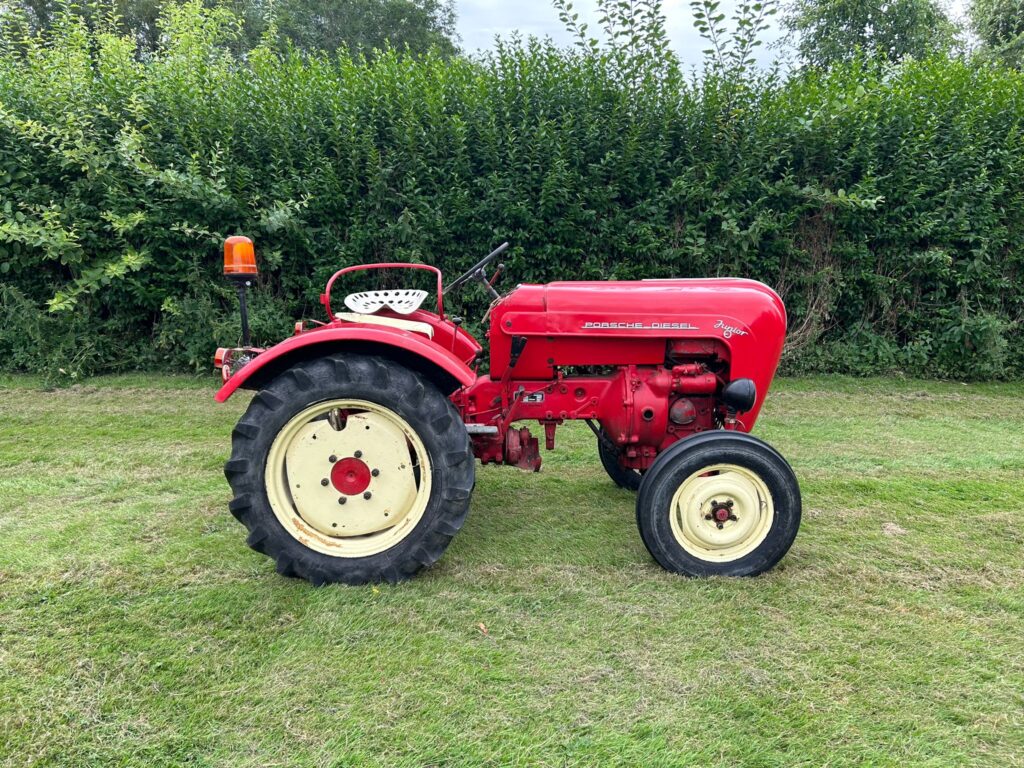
[
  {"x": 239, "y": 257},
  {"x": 240, "y": 267}
]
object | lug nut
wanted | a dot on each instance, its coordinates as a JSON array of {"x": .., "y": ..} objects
[
  {"x": 719, "y": 526},
  {"x": 332, "y": 459},
  {"x": 367, "y": 495},
  {"x": 343, "y": 500},
  {"x": 375, "y": 472},
  {"x": 709, "y": 516},
  {"x": 358, "y": 454},
  {"x": 324, "y": 482}
]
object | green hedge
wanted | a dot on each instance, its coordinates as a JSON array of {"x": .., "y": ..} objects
[{"x": 885, "y": 204}]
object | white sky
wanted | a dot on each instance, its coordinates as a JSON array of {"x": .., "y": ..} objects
[{"x": 480, "y": 20}]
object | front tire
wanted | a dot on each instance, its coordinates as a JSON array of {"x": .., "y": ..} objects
[
  {"x": 350, "y": 469},
  {"x": 719, "y": 504}
]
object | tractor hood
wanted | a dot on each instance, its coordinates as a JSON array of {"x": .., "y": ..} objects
[
  {"x": 600, "y": 323},
  {"x": 675, "y": 303}
]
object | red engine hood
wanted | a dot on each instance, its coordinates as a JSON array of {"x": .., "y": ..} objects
[
  {"x": 609, "y": 301},
  {"x": 629, "y": 322}
]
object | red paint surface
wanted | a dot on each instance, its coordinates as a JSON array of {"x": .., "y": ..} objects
[
  {"x": 338, "y": 333},
  {"x": 553, "y": 318},
  {"x": 350, "y": 476}
]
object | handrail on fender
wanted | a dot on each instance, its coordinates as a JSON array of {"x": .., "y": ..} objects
[{"x": 325, "y": 298}]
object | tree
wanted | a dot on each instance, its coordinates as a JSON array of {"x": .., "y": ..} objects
[
  {"x": 830, "y": 31},
  {"x": 323, "y": 25},
  {"x": 999, "y": 24},
  {"x": 331, "y": 25}
]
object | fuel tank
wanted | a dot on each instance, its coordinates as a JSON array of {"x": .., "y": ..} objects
[{"x": 739, "y": 323}]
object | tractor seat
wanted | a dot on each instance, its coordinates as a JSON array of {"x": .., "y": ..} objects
[
  {"x": 413, "y": 326},
  {"x": 402, "y": 300}
]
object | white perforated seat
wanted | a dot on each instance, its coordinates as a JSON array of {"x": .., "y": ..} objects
[
  {"x": 403, "y": 300},
  {"x": 413, "y": 326}
]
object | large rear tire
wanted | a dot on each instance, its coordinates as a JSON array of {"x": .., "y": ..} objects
[
  {"x": 719, "y": 504},
  {"x": 350, "y": 469}
]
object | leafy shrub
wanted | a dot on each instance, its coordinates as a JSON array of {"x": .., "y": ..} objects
[{"x": 884, "y": 202}]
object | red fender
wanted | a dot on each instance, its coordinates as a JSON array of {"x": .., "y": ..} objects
[{"x": 414, "y": 343}]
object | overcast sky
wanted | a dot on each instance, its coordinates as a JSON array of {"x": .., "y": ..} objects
[{"x": 481, "y": 20}]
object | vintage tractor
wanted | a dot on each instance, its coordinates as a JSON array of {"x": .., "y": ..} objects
[{"x": 354, "y": 462}]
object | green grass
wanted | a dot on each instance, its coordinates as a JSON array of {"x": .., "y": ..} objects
[{"x": 136, "y": 628}]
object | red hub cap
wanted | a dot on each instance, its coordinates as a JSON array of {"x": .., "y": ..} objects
[
  {"x": 721, "y": 514},
  {"x": 350, "y": 476}
]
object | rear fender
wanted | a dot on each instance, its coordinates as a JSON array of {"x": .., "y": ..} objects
[{"x": 410, "y": 349}]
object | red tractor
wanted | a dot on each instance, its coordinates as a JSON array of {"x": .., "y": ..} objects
[{"x": 354, "y": 462}]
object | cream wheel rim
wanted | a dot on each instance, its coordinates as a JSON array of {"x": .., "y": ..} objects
[
  {"x": 721, "y": 513},
  {"x": 348, "y": 478}
]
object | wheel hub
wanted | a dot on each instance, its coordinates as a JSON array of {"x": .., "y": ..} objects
[
  {"x": 359, "y": 480},
  {"x": 721, "y": 513},
  {"x": 350, "y": 476}
]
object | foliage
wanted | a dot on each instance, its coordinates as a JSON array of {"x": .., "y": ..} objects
[
  {"x": 999, "y": 24},
  {"x": 634, "y": 30},
  {"x": 322, "y": 25},
  {"x": 330, "y": 25},
  {"x": 884, "y": 202},
  {"x": 831, "y": 31},
  {"x": 731, "y": 55}
]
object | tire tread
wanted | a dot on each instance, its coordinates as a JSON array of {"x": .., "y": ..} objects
[{"x": 375, "y": 379}]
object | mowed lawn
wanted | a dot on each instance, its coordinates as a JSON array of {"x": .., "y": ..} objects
[{"x": 136, "y": 628}]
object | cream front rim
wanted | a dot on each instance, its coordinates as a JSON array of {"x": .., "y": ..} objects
[
  {"x": 721, "y": 513},
  {"x": 353, "y": 491}
]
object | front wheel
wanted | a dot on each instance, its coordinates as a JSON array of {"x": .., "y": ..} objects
[
  {"x": 719, "y": 504},
  {"x": 350, "y": 469}
]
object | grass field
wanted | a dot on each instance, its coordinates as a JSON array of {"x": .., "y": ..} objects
[{"x": 136, "y": 628}]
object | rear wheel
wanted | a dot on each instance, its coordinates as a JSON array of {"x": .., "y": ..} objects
[
  {"x": 350, "y": 469},
  {"x": 721, "y": 503},
  {"x": 624, "y": 477}
]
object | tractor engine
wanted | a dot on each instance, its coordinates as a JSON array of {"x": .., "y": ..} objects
[
  {"x": 640, "y": 409},
  {"x": 659, "y": 405},
  {"x": 646, "y": 363}
]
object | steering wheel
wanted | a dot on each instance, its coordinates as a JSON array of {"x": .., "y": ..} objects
[{"x": 476, "y": 272}]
